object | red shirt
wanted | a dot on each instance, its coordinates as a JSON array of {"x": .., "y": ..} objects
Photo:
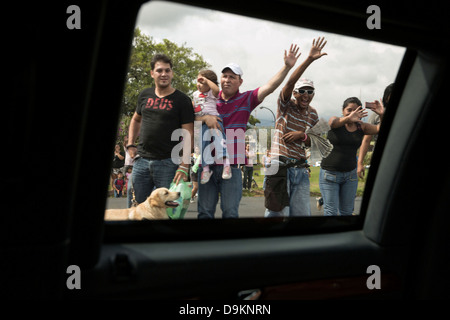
[
  {"x": 119, "y": 184},
  {"x": 235, "y": 114}
]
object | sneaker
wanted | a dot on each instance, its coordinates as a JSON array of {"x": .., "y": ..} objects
[
  {"x": 205, "y": 176},
  {"x": 226, "y": 174},
  {"x": 319, "y": 202}
]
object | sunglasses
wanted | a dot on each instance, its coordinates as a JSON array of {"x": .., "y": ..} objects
[{"x": 303, "y": 91}]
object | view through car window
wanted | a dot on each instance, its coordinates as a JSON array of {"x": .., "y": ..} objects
[{"x": 239, "y": 117}]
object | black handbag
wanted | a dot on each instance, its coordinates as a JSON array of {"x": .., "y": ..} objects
[{"x": 276, "y": 194}]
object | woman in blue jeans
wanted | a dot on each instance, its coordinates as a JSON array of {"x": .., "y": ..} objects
[{"x": 338, "y": 179}]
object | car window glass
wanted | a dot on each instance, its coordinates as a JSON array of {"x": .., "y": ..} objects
[{"x": 197, "y": 39}]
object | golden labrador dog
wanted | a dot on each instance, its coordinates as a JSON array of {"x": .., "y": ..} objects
[{"x": 152, "y": 208}]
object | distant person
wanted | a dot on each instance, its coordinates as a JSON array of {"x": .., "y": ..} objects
[
  {"x": 118, "y": 163},
  {"x": 160, "y": 111},
  {"x": 338, "y": 180},
  {"x": 128, "y": 185},
  {"x": 118, "y": 185},
  {"x": 375, "y": 120},
  {"x": 235, "y": 108},
  {"x": 128, "y": 173},
  {"x": 266, "y": 165},
  {"x": 194, "y": 173},
  {"x": 128, "y": 159},
  {"x": 205, "y": 99},
  {"x": 287, "y": 191},
  {"x": 248, "y": 168},
  {"x": 128, "y": 170}
]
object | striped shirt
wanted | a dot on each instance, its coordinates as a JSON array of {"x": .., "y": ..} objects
[
  {"x": 291, "y": 118},
  {"x": 235, "y": 113}
]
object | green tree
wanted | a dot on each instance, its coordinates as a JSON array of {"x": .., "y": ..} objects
[
  {"x": 252, "y": 121},
  {"x": 186, "y": 65}
]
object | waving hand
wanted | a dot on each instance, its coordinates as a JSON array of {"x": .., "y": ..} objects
[{"x": 316, "y": 49}]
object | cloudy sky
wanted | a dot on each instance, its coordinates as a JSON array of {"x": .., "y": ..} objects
[{"x": 352, "y": 67}]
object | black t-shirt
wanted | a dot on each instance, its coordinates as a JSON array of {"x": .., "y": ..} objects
[
  {"x": 160, "y": 117},
  {"x": 117, "y": 163},
  {"x": 345, "y": 144}
]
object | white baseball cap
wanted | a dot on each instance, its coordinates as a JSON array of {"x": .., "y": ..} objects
[
  {"x": 235, "y": 68},
  {"x": 304, "y": 83}
]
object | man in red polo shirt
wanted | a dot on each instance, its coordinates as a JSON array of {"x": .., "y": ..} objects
[{"x": 234, "y": 108}]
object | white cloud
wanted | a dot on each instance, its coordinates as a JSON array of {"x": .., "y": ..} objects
[{"x": 352, "y": 67}]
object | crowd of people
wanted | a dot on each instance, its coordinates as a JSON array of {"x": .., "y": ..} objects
[
  {"x": 215, "y": 167},
  {"x": 121, "y": 172}
]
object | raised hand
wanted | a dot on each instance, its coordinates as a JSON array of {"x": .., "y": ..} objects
[
  {"x": 291, "y": 58},
  {"x": 357, "y": 114},
  {"x": 377, "y": 107},
  {"x": 201, "y": 79},
  {"x": 316, "y": 49}
]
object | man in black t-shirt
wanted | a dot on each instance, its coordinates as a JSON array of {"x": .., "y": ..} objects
[{"x": 159, "y": 113}]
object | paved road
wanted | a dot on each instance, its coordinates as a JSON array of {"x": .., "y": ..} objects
[{"x": 249, "y": 207}]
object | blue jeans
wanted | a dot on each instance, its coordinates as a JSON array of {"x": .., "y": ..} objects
[
  {"x": 338, "y": 192},
  {"x": 129, "y": 193},
  {"x": 298, "y": 190},
  {"x": 230, "y": 192},
  {"x": 150, "y": 174}
]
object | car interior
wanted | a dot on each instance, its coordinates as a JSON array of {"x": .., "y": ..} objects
[{"x": 69, "y": 85}]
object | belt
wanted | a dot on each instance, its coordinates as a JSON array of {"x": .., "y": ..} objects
[{"x": 289, "y": 162}]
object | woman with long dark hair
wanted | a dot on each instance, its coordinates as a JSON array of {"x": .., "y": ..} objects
[{"x": 338, "y": 180}]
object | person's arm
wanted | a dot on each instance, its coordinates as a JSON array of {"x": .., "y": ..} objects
[
  {"x": 337, "y": 122},
  {"x": 211, "y": 121},
  {"x": 114, "y": 185},
  {"x": 133, "y": 131},
  {"x": 371, "y": 129},
  {"x": 183, "y": 169},
  {"x": 314, "y": 54},
  {"x": 362, "y": 154},
  {"x": 378, "y": 108},
  {"x": 300, "y": 135},
  {"x": 354, "y": 116},
  {"x": 289, "y": 61},
  {"x": 296, "y": 135},
  {"x": 215, "y": 89},
  {"x": 121, "y": 157}
]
